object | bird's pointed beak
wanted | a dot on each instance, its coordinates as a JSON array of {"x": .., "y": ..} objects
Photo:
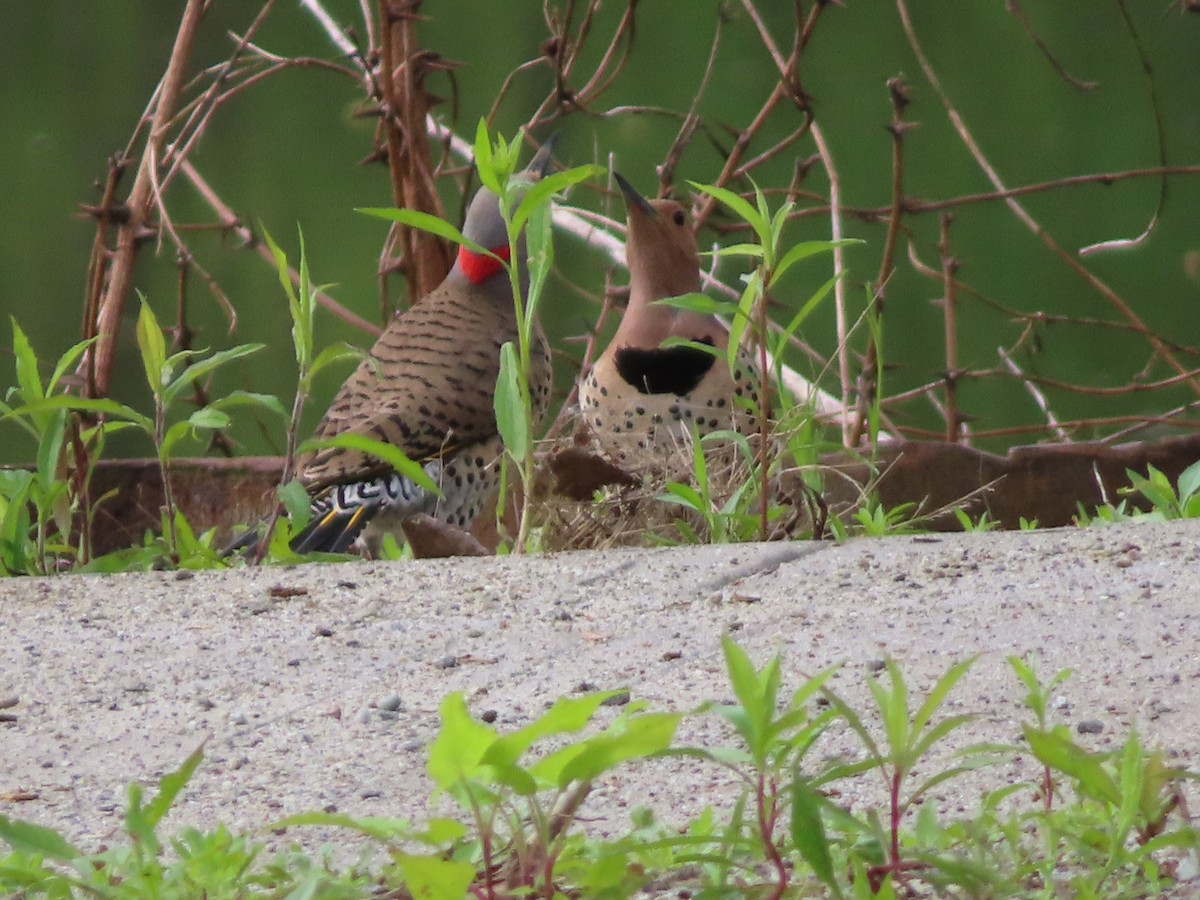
[
  {"x": 539, "y": 166},
  {"x": 634, "y": 200}
]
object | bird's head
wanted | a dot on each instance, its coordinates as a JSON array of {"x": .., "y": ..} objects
[
  {"x": 661, "y": 246},
  {"x": 485, "y": 225}
]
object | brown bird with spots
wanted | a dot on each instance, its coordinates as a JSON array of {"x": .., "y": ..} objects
[
  {"x": 640, "y": 397},
  {"x": 428, "y": 387}
]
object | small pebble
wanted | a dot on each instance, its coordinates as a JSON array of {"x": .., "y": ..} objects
[
  {"x": 237, "y": 717},
  {"x": 618, "y": 699},
  {"x": 489, "y": 716},
  {"x": 1089, "y": 726},
  {"x": 412, "y": 746},
  {"x": 294, "y": 663},
  {"x": 672, "y": 654},
  {"x": 324, "y": 631},
  {"x": 364, "y": 716},
  {"x": 371, "y": 794},
  {"x": 184, "y": 575},
  {"x": 876, "y": 665},
  {"x": 390, "y": 703},
  {"x": 446, "y": 662}
]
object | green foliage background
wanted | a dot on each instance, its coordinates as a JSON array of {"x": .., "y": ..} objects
[{"x": 75, "y": 77}]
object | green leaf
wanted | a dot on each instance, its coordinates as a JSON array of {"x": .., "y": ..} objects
[
  {"x": 435, "y": 878},
  {"x": 333, "y": 354},
  {"x": 754, "y": 250},
  {"x": 700, "y": 303},
  {"x": 67, "y": 361},
  {"x": 512, "y": 418},
  {"x": 803, "y": 250},
  {"x": 1055, "y": 749},
  {"x": 171, "y": 784},
  {"x": 740, "y": 207},
  {"x": 642, "y": 736},
  {"x": 201, "y": 368},
  {"x": 423, "y": 221},
  {"x": 296, "y": 501},
  {"x": 153, "y": 348},
  {"x": 540, "y": 193},
  {"x": 568, "y": 715},
  {"x": 485, "y": 165},
  {"x": 390, "y": 454},
  {"x": 83, "y": 404},
  {"x": 252, "y": 400},
  {"x": 461, "y": 742},
  {"x": 26, "y": 837},
  {"x": 28, "y": 376},
  {"x": 380, "y": 828},
  {"x": 808, "y": 831},
  {"x": 1189, "y": 482}
]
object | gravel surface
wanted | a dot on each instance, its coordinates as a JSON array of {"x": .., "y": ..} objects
[{"x": 317, "y": 687}]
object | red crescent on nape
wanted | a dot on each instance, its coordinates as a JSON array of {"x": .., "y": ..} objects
[{"x": 479, "y": 267}]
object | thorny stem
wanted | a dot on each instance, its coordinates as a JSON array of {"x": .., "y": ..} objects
[
  {"x": 1157, "y": 344},
  {"x": 898, "y": 92},
  {"x": 949, "y": 316},
  {"x": 97, "y": 363}
]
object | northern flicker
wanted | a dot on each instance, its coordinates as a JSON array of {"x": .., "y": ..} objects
[
  {"x": 639, "y": 396},
  {"x": 428, "y": 387}
]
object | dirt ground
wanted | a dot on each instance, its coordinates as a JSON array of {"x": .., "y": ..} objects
[{"x": 317, "y": 687}]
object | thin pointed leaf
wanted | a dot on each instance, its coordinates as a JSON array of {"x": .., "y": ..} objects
[
  {"x": 388, "y": 453},
  {"x": 512, "y": 418},
  {"x": 423, "y": 221},
  {"x": 937, "y": 696},
  {"x": 808, "y": 832},
  {"x": 153, "y": 348},
  {"x": 485, "y": 164},
  {"x": 541, "y": 191},
  {"x": 804, "y": 250},
  {"x": 739, "y": 206},
  {"x": 199, "y": 369},
  {"x": 700, "y": 303},
  {"x": 26, "y": 837}
]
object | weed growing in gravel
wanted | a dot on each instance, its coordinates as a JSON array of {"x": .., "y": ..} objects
[{"x": 1122, "y": 830}]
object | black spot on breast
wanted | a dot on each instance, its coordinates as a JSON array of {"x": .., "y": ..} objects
[{"x": 673, "y": 370}]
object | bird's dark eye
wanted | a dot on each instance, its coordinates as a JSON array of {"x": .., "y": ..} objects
[{"x": 679, "y": 218}]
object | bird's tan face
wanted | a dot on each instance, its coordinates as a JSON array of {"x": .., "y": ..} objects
[{"x": 662, "y": 249}]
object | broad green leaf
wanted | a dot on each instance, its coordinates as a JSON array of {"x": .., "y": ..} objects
[
  {"x": 435, "y": 878},
  {"x": 153, "y": 348},
  {"x": 540, "y": 244},
  {"x": 568, "y": 715},
  {"x": 512, "y": 417},
  {"x": 461, "y": 742},
  {"x": 388, "y": 453},
  {"x": 642, "y": 736},
  {"x": 26, "y": 837}
]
